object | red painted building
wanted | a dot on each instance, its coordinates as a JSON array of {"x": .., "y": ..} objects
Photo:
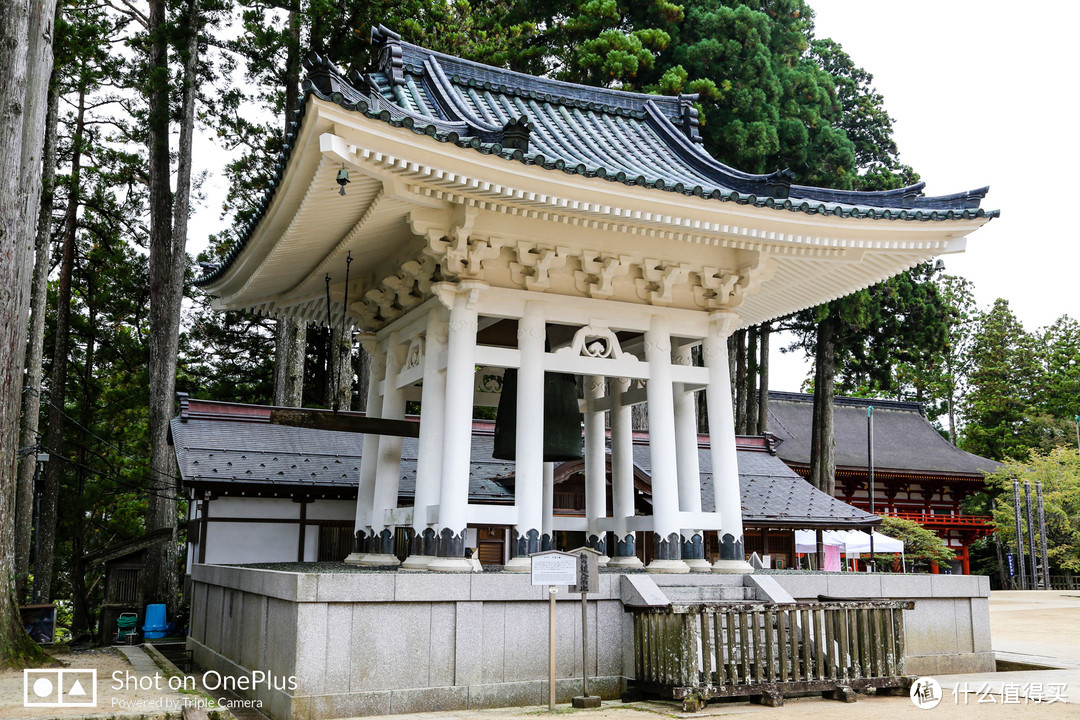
[{"x": 918, "y": 474}]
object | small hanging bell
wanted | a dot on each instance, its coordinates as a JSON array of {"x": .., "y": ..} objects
[{"x": 342, "y": 178}]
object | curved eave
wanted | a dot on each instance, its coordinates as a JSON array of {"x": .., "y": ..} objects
[{"x": 962, "y": 220}]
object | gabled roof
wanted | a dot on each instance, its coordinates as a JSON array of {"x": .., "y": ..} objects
[
  {"x": 634, "y": 139},
  {"x": 217, "y": 448},
  {"x": 904, "y": 440}
]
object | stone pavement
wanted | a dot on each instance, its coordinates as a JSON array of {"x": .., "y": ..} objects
[
  {"x": 1034, "y": 628},
  {"x": 140, "y": 661}
]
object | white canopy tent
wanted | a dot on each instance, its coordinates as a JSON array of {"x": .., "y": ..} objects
[{"x": 851, "y": 542}]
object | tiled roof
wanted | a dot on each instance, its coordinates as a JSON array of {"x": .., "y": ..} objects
[
  {"x": 772, "y": 493},
  {"x": 631, "y": 138},
  {"x": 903, "y": 438},
  {"x": 219, "y": 452},
  {"x": 214, "y": 451}
]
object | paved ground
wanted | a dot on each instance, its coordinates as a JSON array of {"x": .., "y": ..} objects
[
  {"x": 1027, "y": 627},
  {"x": 131, "y": 701}
]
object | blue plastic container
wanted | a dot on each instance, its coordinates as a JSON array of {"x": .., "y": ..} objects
[{"x": 155, "y": 626}]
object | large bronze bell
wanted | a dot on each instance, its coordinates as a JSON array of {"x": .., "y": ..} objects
[{"x": 562, "y": 418}]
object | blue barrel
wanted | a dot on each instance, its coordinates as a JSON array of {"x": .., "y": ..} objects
[{"x": 155, "y": 622}]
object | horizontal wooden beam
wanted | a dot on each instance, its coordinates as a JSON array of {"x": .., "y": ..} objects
[{"x": 343, "y": 422}]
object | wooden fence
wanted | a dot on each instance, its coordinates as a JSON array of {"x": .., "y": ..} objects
[
  {"x": 1065, "y": 582},
  {"x": 764, "y": 651}
]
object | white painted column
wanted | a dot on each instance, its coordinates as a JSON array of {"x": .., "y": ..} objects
[
  {"x": 595, "y": 465},
  {"x": 686, "y": 452},
  {"x": 547, "y": 536},
  {"x": 457, "y": 430},
  {"x": 727, "y": 494},
  {"x": 388, "y": 469},
  {"x": 624, "y": 554},
  {"x": 665, "y": 484},
  {"x": 369, "y": 456},
  {"x": 529, "y": 440},
  {"x": 429, "y": 453}
]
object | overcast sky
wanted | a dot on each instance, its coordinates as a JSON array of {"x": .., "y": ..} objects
[{"x": 982, "y": 94}]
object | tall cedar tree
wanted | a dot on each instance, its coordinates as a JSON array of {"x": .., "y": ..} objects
[{"x": 26, "y": 58}]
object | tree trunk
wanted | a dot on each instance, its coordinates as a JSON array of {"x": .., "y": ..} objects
[
  {"x": 74, "y": 507},
  {"x": 290, "y": 343},
  {"x": 166, "y": 288},
  {"x": 740, "y": 382},
  {"x": 362, "y": 369},
  {"x": 292, "y": 69},
  {"x": 290, "y": 347},
  {"x": 763, "y": 379},
  {"x": 822, "y": 438},
  {"x": 31, "y": 399},
  {"x": 54, "y": 436},
  {"x": 339, "y": 380},
  {"x": 700, "y": 406},
  {"x": 26, "y": 60},
  {"x": 751, "y": 380},
  {"x": 732, "y": 369}
]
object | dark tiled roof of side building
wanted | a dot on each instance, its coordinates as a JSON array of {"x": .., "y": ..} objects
[
  {"x": 217, "y": 448},
  {"x": 904, "y": 440},
  {"x": 632, "y": 138}
]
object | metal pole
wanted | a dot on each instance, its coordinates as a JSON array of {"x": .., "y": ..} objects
[
  {"x": 1031, "y": 536},
  {"x": 41, "y": 458},
  {"x": 1042, "y": 536},
  {"x": 1077, "y": 418},
  {"x": 551, "y": 646},
  {"x": 870, "y": 475},
  {"x": 584, "y": 644},
  {"x": 1019, "y": 535}
]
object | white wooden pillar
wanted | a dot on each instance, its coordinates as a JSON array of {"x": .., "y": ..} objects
[
  {"x": 429, "y": 453},
  {"x": 457, "y": 429},
  {"x": 665, "y": 485},
  {"x": 727, "y": 494},
  {"x": 388, "y": 468},
  {"x": 624, "y": 554},
  {"x": 595, "y": 465},
  {"x": 547, "y": 537},
  {"x": 529, "y": 440},
  {"x": 365, "y": 496},
  {"x": 686, "y": 452}
]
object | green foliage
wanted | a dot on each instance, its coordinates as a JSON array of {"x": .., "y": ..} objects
[
  {"x": 1059, "y": 472},
  {"x": 922, "y": 547},
  {"x": 1000, "y": 394}
]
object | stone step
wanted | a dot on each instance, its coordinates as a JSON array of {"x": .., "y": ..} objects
[
  {"x": 699, "y": 580},
  {"x": 708, "y": 593}
]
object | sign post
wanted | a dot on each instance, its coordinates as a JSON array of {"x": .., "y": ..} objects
[
  {"x": 553, "y": 568},
  {"x": 588, "y": 580}
]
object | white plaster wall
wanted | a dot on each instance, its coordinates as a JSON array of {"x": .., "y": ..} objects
[
  {"x": 250, "y": 542},
  {"x": 311, "y": 543},
  {"x": 331, "y": 510},
  {"x": 254, "y": 507}
]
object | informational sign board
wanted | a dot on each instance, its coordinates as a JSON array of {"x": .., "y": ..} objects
[
  {"x": 1012, "y": 566},
  {"x": 554, "y": 568},
  {"x": 588, "y": 571}
]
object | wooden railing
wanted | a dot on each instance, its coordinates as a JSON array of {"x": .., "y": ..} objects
[
  {"x": 933, "y": 519},
  {"x": 1065, "y": 582},
  {"x": 765, "y": 651}
]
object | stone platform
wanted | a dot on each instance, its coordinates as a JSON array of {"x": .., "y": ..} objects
[{"x": 376, "y": 643}]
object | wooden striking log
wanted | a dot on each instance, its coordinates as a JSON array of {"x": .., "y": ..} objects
[{"x": 343, "y": 422}]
